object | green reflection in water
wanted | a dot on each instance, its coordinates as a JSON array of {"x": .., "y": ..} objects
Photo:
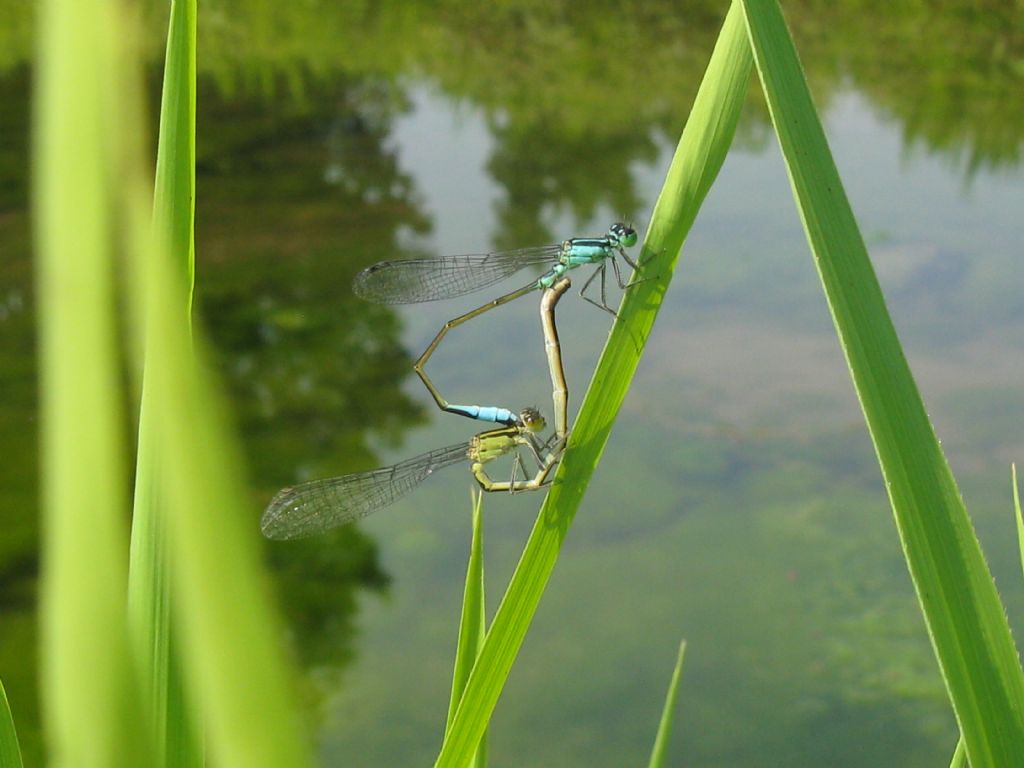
[
  {"x": 292, "y": 204},
  {"x": 950, "y": 72},
  {"x": 286, "y": 219}
]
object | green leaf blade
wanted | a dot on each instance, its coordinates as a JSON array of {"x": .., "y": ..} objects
[
  {"x": 86, "y": 678},
  {"x": 472, "y": 626},
  {"x": 225, "y": 632},
  {"x": 965, "y": 619},
  {"x": 175, "y": 183},
  {"x": 149, "y": 596},
  {"x": 1017, "y": 513},
  {"x": 702, "y": 149},
  {"x": 665, "y": 726},
  {"x": 236, "y": 681},
  {"x": 10, "y": 752}
]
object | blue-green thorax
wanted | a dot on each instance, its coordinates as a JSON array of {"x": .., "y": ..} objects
[{"x": 589, "y": 250}]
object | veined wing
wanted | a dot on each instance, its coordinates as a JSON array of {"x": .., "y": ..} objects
[
  {"x": 415, "y": 280},
  {"x": 319, "y": 505}
]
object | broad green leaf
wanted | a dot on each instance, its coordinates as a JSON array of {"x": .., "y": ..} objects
[
  {"x": 965, "y": 619},
  {"x": 87, "y": 687},
  {"x": 665, "y": 726},
  {"x": 698, "y": 158}
]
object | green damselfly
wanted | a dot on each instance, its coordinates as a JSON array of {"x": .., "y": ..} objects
[
  {"x": 417, "y": 280},
  {"x": 320, "y": 505}
]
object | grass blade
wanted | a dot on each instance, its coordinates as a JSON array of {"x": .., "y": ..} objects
[
  {"x": 87, "y": 685},
  {"x": 10, "y": 752},
  {"x": 1016, "y": 509},
  {"x": 965, "y": 619},
  {"x": 175, "y": 186},
  {"x": 959, "y": 759},
  {"x": 236, "y": 681},
  {"x": 472, "y": 626},
  {"x": 699, "y": 156},
  {"x": 665, "y": 726},
  {"x": 149, "y": 598}
]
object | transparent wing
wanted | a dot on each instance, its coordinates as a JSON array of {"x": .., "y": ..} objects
[
  {"x": 415, "y": 280},
  {"x": 317, "y": 506}
]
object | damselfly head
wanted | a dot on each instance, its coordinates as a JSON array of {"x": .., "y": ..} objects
[
  {"x": 624, "y": 234},
  {"x": 532, "y": 419}
]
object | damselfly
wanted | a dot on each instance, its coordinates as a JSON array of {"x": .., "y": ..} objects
[
  {"x": 318, "y": 506},
  {"x": 417, "y": 280},
  {"x": 411, "y": 281}
]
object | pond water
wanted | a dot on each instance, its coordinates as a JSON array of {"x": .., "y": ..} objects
[{"x": 738, "y": 505}]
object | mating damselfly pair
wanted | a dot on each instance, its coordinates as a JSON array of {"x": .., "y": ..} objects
[{"x": 319, "y": 505}]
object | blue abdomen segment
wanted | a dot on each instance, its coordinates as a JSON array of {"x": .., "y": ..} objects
[{"x": 486, "y": 413}]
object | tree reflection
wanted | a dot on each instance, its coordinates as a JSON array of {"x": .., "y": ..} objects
[
  {"x": 951, "y": 73},
  {"x": 581, "y": 175},
  {"x": 291, "y": 205}
]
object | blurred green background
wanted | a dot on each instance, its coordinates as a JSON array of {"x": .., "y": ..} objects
[{"x": 739, "y": 503}]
